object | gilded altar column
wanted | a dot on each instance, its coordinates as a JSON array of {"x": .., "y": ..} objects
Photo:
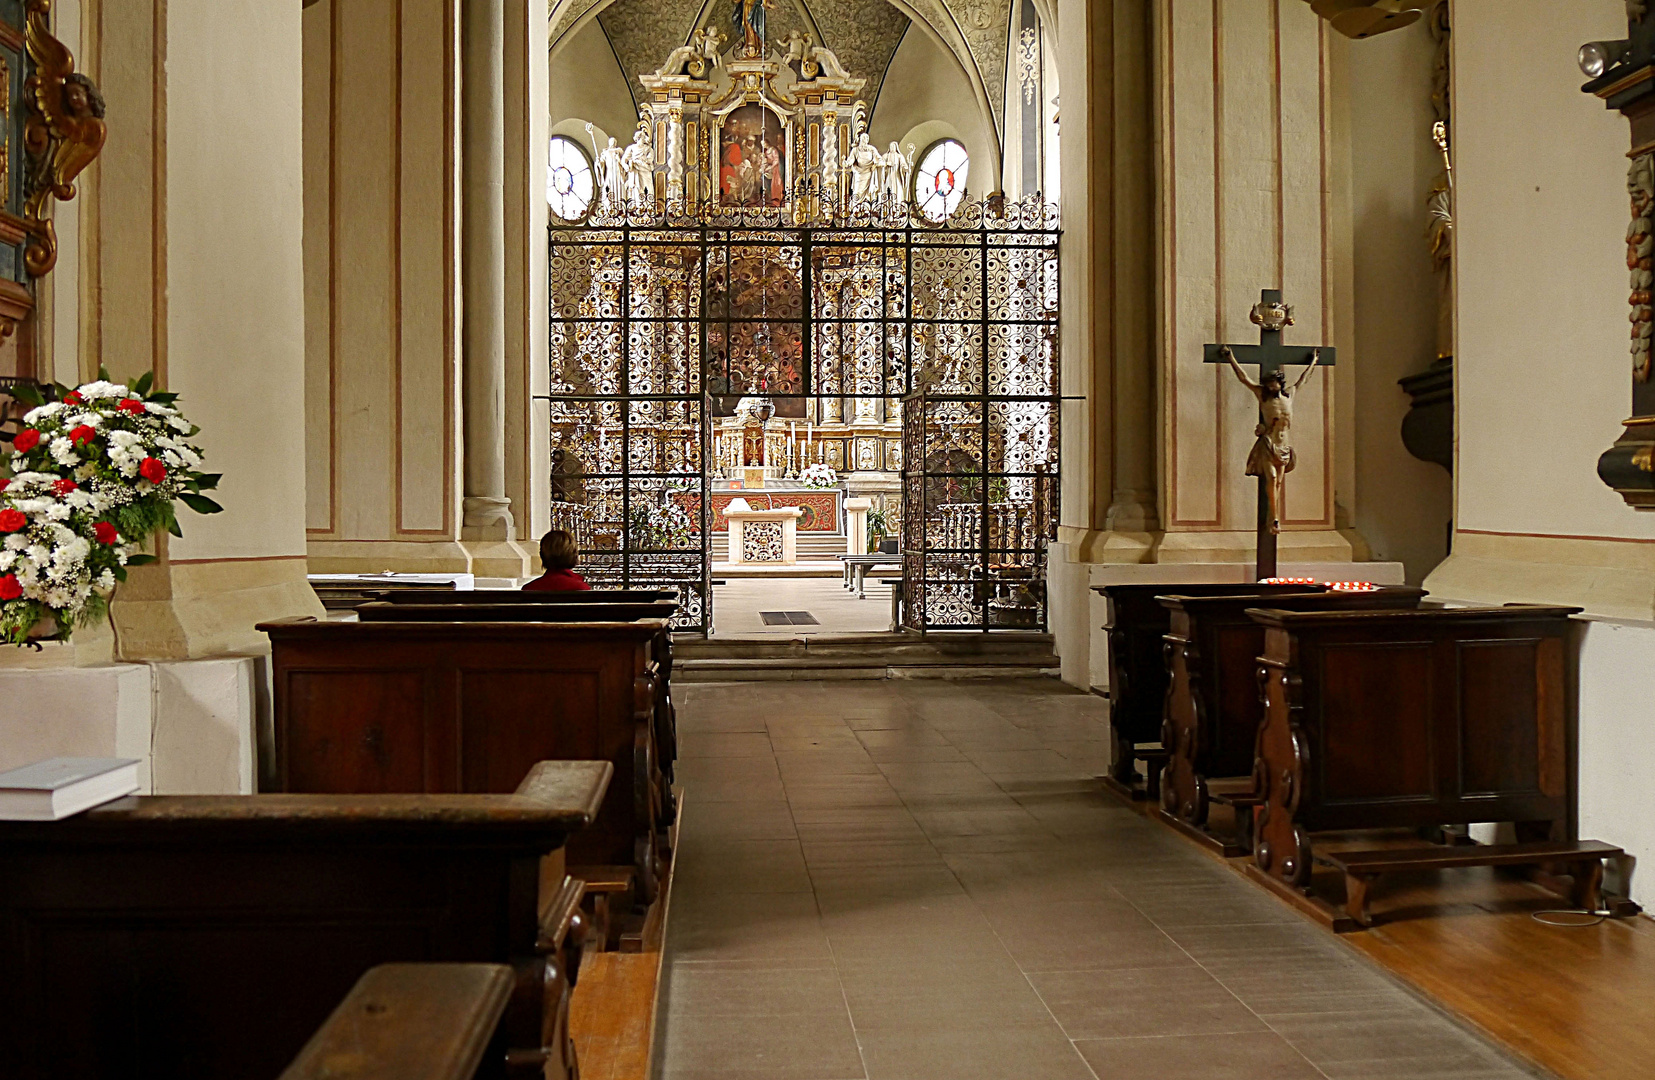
[{"x": 487, "y": 529}]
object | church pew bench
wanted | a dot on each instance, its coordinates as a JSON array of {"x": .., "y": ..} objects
[
  {"x": 465, "y": 703},
  {"x": 413, "y": 1022},
  {"x": 482, "y": 606},
  {"x": 1137, "y": 625},
  {"x": 1214, "y": 704},
  {"x": 1581, "y": 860},
  {"x": 209, "y": 936},
  {"x": 1409, "y": 720}
]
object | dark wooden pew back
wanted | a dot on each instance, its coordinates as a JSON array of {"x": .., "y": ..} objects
[
  {"x": 459, "y": 705},
  {"x": 208, "y": 936},
  {"x": 1215, "y": 701},
  {"x": 1377, "y": 719},
  {"x": 490, "y": 611},
  {"x": 506, "y": 596}
]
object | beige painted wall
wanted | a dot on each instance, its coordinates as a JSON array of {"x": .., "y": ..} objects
[
  {"x": 925, "y": 83},
  {"x": 587, "y": 83},
  {"x": 1543, "y": 379},
  {"x": 235, "y": 278},
  {"x": 1401, "y": 505}
]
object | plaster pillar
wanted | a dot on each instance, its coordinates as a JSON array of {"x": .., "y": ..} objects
[
  {"x": 192, "y": 266},
  {"x": 856, "y": 525},
  {"x": 487, "y": 531}
]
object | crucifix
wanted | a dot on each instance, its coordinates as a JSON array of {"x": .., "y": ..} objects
[{"x": 1272, "y": 456}]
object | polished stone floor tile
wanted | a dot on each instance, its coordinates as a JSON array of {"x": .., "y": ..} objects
[{"x": 893, "y": 881}]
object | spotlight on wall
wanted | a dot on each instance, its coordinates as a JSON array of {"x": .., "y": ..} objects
[
  {"x": 1365, "y": 18},
  {"x": 1596, "y": 57}
]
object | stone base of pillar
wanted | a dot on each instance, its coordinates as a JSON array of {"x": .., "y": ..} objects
[
  {"x": 1132, "y": 512},
  {"x": 185, "y": 611},
  {"x": 377, "y": 556},
  {"x": 496, "y": 561}
]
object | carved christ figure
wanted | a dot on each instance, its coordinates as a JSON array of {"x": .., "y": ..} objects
[{"x": 1272, "y": 455}]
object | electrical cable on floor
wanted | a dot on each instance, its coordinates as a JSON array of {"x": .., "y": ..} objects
[{"x": 1593, "y": 917}]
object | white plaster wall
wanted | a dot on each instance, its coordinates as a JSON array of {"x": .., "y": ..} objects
[
  {"x": 1617, "y": 743},
  {"x": 203, "y": 738},
  {"x": 235, "y": 269},
  {"x": 1543, "y": 372},
  {"x": 76, "y": 712},
  {"x": 587, "y": 84},
  {"x": 925, "y": 83},
  {"x": 1401, "y": 505}
]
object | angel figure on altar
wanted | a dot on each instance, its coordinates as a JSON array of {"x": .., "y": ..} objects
[{"x": 1272, "y": 456}]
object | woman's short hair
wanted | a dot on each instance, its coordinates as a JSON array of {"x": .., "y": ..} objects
[{"x": 558, "y": 550}]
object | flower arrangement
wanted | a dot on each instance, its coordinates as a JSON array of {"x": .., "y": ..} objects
[
  {"x": 93, "y": 475},
  {"x": 819, "y": 475},
  {"x": 663, "y": 526}
]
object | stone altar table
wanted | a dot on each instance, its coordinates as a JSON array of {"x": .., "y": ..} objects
[{"x": 763, "y": 536}]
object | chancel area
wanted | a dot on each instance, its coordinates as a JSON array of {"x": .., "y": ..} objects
[{"x": 826, "y": 539}]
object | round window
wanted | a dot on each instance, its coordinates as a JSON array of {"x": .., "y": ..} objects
[
  {"x": 939, "y": 182},
  {"x": 569, "y": 183}
]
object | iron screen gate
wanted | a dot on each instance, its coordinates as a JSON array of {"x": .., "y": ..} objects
[{"x": 661, "y": 325}]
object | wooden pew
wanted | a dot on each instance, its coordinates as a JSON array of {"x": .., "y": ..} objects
[
  {"x": 607, "y": 884},
  {"x": 413, "y": 1022},
  {"x": 448, "y": 704},
  {"x": 208, "y": 936},
  {"x": 1409, "y": 720},
  {"x": 1138, "y": 680},
  {"x": 1214, "y": 703}
]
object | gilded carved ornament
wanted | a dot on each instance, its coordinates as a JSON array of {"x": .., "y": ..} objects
[{"x": 63, "y": 131}]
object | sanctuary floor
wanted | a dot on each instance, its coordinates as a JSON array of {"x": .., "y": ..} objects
[
  {"x": 921, "y": 881},
  {"x": 738, "y": 602}
]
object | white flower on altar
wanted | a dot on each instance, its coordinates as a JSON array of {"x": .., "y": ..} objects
[
  {"x": 42, "y": 412},
  {"x": 819, "y": 475},
  {"x": 63, "y": 452}
]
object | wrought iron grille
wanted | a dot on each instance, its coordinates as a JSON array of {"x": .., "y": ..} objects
[{"x": 662, "y": 321}]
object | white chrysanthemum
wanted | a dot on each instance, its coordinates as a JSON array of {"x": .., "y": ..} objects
[
  {"x": 16, "y": 541},
  {"x": 179, "y": 424},
  {"x": 106, "y": 579},
  {"x": 102, "y": 389},
  {"x": 123, "y": 438},
  {"x": 35, "y": 415}
]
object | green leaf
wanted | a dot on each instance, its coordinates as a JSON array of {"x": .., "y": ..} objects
[
  {"x": 120, "y": 571},
  {"x": 174, "y": 529},
  {"x": 199, "y": 503},
  {"x": 163, "y": 399},
  {"x": 143, "y": 385},
  {"x": 207, "y": 481},
  {"x": 139, "y": 560},
  {"x": 28, "y": 395},
  {"x": 103, "y": 373}
]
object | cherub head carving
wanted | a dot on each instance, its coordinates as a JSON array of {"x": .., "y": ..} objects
[{"x": 81, "y": 97}]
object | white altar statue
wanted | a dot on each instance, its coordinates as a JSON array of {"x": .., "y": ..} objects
[
  {"x": 899, "y": 172},
  {"x": 866, "y": 167},
  {"x": 610, "y": 169},
  {"x": 638, "y": 166}
]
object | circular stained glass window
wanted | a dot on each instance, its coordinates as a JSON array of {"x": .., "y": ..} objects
[
  {"x": 569, "y": 183},
  {"x": 939, "y": 182}
]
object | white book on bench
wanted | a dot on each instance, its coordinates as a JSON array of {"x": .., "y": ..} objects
[{"x": 60, "y": 786}]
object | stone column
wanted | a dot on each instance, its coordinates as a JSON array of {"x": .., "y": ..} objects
[
  {"x": 487, "y": 532},
  {"x": 856, "y": 525}
]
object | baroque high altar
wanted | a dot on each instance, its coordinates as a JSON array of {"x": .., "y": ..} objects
[{"x": 753, "y": 294}]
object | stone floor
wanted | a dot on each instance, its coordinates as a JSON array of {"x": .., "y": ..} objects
[
  {"x": 919, "y": 881},
  {"x": 737, "y": 603}
]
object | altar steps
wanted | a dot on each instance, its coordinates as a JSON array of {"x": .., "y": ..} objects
[
  {"x": 959, "y": 655},
  {"x": 812, "y": 546}
]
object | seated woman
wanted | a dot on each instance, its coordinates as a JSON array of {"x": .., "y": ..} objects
[{"x": 559, "y": 555}]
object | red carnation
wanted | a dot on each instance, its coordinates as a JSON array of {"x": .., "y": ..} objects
[
  {"x": 152, "y": 470},
  {"x": 105, "y": 532},
  {"x": 64, "y": 486},
  {"x": 73, "y": 397},
  {"x": 83, "y": 434},
  {"x": 131, "y": 405},
  {"x": 25, "y": 440},
  {"x": 4, "y": 483},
  {"x": 10, "y": 587},
  {"x": 11, "y": 520}
]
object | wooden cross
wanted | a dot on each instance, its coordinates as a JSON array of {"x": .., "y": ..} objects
[{"x": 1271, "y": 356}]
